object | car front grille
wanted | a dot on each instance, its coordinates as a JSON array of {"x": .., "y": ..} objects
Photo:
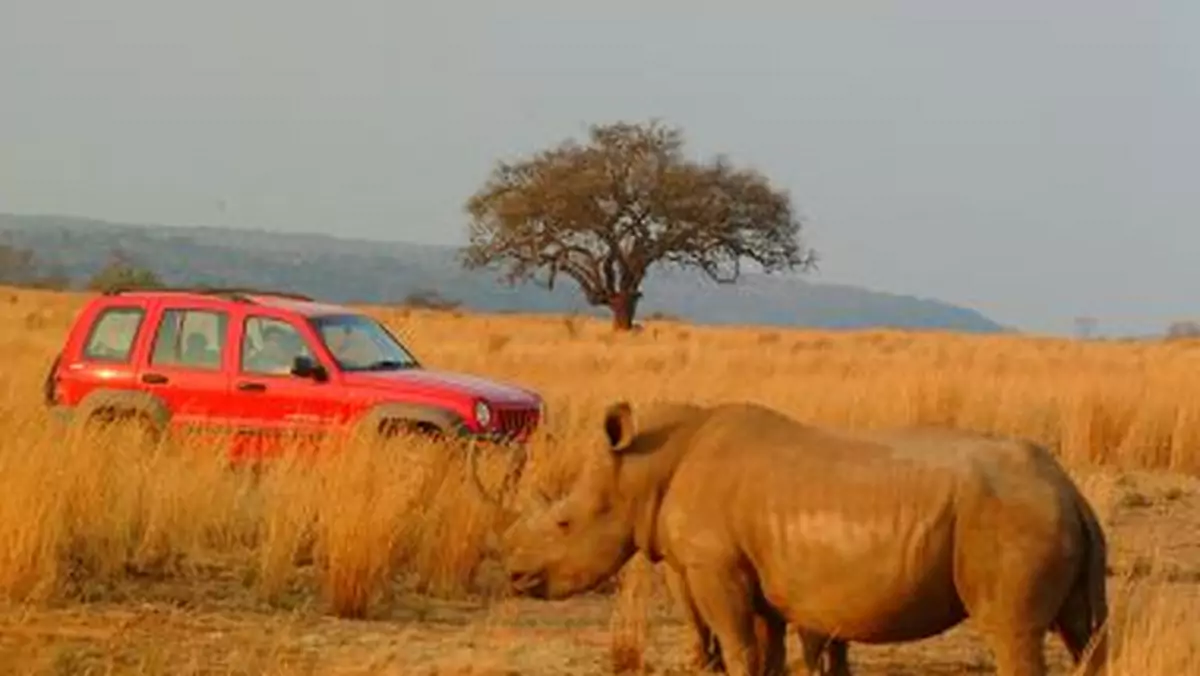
[{"x": 516, "y": 422}]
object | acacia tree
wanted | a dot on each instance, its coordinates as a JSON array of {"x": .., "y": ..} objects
[
  {"x": 122, "y": 272},
  {"x": 605, "y": 212}
]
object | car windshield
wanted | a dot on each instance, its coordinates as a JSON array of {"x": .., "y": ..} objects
[{"x": 360, "y": 343}]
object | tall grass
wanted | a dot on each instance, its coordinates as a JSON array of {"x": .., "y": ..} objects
[
  {"x": 356, "y": 524},
  {"x": 80, "y": 514},
  {"x": 1153, "y": 630},
  {"x": 1117, "y": 403}
]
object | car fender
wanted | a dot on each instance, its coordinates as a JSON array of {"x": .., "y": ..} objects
[
  {"x": 446, "y": 421},
  {"x": 124, "y": 402}
]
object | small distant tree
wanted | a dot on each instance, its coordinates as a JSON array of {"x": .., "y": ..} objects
[
  {"x": 605, "y": 212},
  {"x": 1085, "y": 327},
  {"x": 18, "y": 266},
  {"x": 123, "y": 272},
  {"x": 56, "y": 279},
  {"x": 21, "y": 267},
  {"x": 429, "y": 299},
  {"x": 1184, "y": 329}
]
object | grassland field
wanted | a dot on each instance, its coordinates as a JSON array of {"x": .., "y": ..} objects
[{"x": 121, "y": 557}]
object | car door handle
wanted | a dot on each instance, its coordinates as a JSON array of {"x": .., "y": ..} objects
[
  {"x": 252, "y": 387},
  {"x": 154, "y": 378}
]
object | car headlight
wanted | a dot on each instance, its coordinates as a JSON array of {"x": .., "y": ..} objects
[{"x": 483, "y": 414}]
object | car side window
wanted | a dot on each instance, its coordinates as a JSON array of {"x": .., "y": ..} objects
[
  {"x": 270, "y": 345},
  {"x": 191, "y": 339},
  {"x": 113, "y": 334}
]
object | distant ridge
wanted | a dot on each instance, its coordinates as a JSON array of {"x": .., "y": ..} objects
[{"x": 359, "y": 270}]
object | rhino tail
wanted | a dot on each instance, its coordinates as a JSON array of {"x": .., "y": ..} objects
[{"x": 1084, "y": 621}]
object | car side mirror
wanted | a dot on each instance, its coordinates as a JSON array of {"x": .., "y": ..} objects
[{"x": 307, "y": 367}]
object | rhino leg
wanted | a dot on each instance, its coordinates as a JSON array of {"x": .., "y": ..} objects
[
  {"x": 770, "y": 630},
  {"x": 769, "y": 634},
  {"x": 1083, "y": 618},
  {"x": 824, "y": 656},
  {"x": 1087, "y": 645},
  {"x": 1019, "y": 653},
  {"x": 726, "y": 602},
  {"x": 704, "y": 653}
]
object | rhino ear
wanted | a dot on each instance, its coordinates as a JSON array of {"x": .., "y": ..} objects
[{"x": 618, "y": 426}]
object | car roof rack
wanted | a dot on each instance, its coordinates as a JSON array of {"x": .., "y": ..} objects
[{"x": 238, "y": 294}]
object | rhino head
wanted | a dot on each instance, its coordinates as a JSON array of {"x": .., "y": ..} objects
[{"x": 575, "y": 543}]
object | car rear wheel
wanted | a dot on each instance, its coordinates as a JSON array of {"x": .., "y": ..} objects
[{"x": 133, "y": 425}]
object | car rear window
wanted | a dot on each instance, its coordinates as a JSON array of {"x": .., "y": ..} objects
[{"x": 113, "y": 334}]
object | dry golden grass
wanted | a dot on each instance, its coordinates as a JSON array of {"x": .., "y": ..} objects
[
  {"x": 629, "y": 631},
  {"x": 122, "y": 557}
]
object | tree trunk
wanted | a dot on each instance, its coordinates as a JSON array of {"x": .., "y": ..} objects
[{"x": 624, "y": 307}]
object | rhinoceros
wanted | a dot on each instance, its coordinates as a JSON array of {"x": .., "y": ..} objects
[{"x": 848, "y": 536}]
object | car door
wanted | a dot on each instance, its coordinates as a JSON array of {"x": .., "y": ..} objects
[
  {"x": 269, "y": 398},
  {"x": 187, "y": 365}
]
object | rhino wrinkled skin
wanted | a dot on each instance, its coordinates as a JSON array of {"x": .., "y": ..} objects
[{"x": 874, "y": 537}]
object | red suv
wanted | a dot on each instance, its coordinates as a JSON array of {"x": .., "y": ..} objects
[{"x": 266, "y": 362}]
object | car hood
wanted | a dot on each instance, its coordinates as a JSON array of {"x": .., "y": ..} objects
[{"x": 429, "y": 380}]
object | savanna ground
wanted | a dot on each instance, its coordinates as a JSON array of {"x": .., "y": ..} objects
[{"x": 120, "y": 557}]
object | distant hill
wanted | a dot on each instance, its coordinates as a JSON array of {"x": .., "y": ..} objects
[{"x": 351, "y": 270}]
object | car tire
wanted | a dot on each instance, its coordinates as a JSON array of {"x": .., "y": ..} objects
[
  {"x": 105, "y": 409},
  {"x": 392, "y": 427},
  {"x": 122, "y": 418},
  {"x": 379, "y": 429}
]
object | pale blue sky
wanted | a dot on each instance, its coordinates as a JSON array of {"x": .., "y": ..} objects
[{"x": 1034, "y": 160}]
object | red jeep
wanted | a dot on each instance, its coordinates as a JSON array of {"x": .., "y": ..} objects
[{"x": 266, "y": 363}]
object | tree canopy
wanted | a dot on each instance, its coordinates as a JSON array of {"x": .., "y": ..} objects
[
  {"x": 122, "y": 273},
  {"x": 604, "y": 213},
  {"x": 20, "y": 267}
]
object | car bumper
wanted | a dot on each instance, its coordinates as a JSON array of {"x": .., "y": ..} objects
[{"x": 494, "y": 437}]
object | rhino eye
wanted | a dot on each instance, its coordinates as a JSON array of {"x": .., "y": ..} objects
[{"x": 563, "y": 524}]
